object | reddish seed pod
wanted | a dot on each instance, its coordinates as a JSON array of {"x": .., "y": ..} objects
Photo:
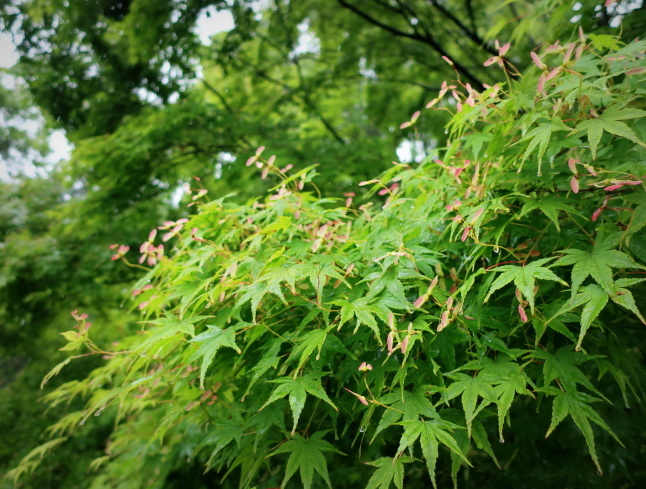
[
  {"x": 389, "y": 342},
  {"x": 404, "y": 344},
  {"x": 597, "y": 213},
  {"x": 574, "y": 184}
]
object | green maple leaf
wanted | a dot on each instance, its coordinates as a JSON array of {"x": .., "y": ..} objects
[
  {"x": 407, "y": 405},
  {"x": 624, "y": 298},
  {"x": 540, "y": 136},
  {"x": 320, "y": 272},
  {"x": 297, "y": 390},
  {"x": 622, "y": 379},
  {"x": 637, "y": 222},
  {"x": 594, "y": 299},
  {"x": 524, "y": 278},
  {"x": 575, "y": 404},
  {"x": 221, "y": 435},
  {"x": 471, "y": 388},
  {"x": 55, "y": 371},
  {"x": 257, "y": 291},
  {"x": 598, "y": 264},
  {"x": 277, "y": 275},
  {"x": 430, "y": 434},
  {"x": 511, "y": 380},
  {"x": 610, "y": 121},
  {"x": 481, "y": 440},
  {"x": 311, "y": 341},
  {"x": 394, "y": 293},
  {"x": 269, "y": 360},
  {"x": 563, "y": 366},
  {"x": 306, "y": 455},
  {"x": 166, "y": 327},
  {"x": 30, "y": 461},
  {"x": 550, "y": 206},
  {"x": 76, "y": 340},
  {"x": 363, "y": 312},
  {"x": 389, "y": 470},
  {"x": 212, "y": 340}
]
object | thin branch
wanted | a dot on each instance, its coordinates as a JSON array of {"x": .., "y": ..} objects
[
  {"x": 324, "y": 121},
  {"x": 517, "y": 17},
  {"x": 416, "y": 36},
  {"x": 372, "y": 20},
  {"x": 308, "y": 101},
  {"x": 471, "y": 34},
  {"x": 405, "y": 82},
  {"x": 303, "y": 95},
  {"x": 470, "y": 13},
  {"x": 226, "y": 105},
  {"x": 213, "y": 90}
]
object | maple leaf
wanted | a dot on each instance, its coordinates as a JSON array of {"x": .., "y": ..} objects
[
  {"x": 430, "y": 433},
  {"x": 596, "y": 264},
  {"x": 394, "y": 295},
  {"x": 269, "y": 360},
  {"x": 524, "y": 278},
  {"x": 257, "y": 291},
  {"x": 563, "y": 366},
  {"x": 221, "y": 435},
  {"x": 511, "y": 380},
  {"x": 389, "y": 471},
  {"x": 76, "y": 340},
  {"x": 625, "y": 298},
  {"x": 320, "y": 272},
  {"x": 297, "y": 390},
  {"x": 575, "y": 404},
  {"x": 55, "y": 371},
  {"x": 594, "y": 299},
  {"x": 610, "y": 121},
  {"x": 363, "y": 312},
  {"x": 540, "y": 136},
  {"x": 212, "y": 340},
  {"x": 311, "y": 341},
  {"x": 482, "y": 442},
  {"x": 550, "y": 206},
  {"x": 306, "y": 455},
  {"x": 471, "y": 388},
  {"x": 407, "y": 405},
  {"x": 637, "y": 222}
]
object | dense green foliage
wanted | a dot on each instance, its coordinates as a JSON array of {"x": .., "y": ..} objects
[{"x": 473, "y": 316}]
